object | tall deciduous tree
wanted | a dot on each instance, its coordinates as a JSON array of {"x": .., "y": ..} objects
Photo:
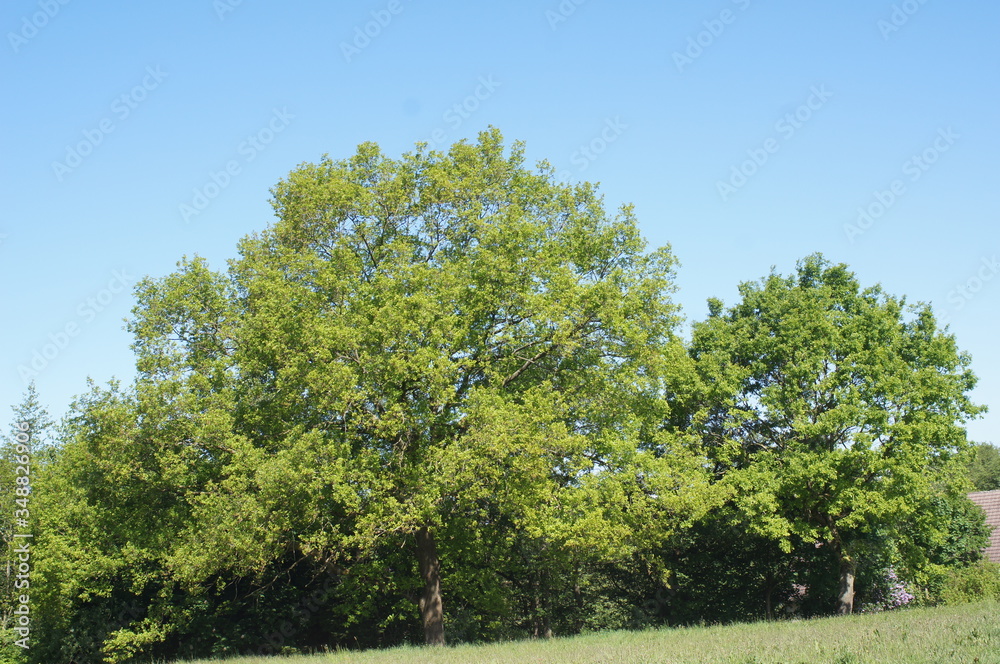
[
  {"x": 833, "y": 411},
  {"x": 415, "y": 346}
]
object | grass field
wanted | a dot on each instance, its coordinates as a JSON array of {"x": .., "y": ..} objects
[{"x": 968, "y": 633}]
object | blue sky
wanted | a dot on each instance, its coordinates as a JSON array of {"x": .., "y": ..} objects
[{"x": 747, "y": 133}]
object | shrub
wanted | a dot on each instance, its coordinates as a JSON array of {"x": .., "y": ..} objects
[
  {"x": 972, "y": 584},
  {"x": 890, "y": 593}
]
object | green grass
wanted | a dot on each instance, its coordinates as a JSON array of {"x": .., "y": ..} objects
[{"x": 968, "y": 633}]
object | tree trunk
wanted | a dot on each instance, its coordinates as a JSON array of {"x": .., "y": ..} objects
[
  {"x": 431, "y": 606},
  {"x": 845, "y": 594},
  {"x": 542, "y": 628},
  {"x": 769, "y": 585},
  {"x": 578, "y": 595}
]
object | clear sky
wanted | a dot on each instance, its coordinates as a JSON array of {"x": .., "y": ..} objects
[{"x": 748, "y": 133}]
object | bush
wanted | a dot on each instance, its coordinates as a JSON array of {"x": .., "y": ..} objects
[
  {"x": 972, "y": 584},
  {"x": 889, "y": 593}
]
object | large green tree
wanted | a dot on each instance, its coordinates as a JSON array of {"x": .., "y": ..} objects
[
  {"x": 419, "y": 349},
  {"x": 834, "y": 412}
]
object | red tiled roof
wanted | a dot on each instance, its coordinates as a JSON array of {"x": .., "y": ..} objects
[{"x": 990, "y": 502}]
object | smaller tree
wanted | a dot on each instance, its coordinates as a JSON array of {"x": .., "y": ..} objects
[{"x": 834, "y": 413}]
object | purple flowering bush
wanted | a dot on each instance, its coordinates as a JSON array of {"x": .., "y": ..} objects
[{"x": 892, "y": 593}]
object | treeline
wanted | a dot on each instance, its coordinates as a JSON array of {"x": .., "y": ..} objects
[{"x": 447, "y": 396}]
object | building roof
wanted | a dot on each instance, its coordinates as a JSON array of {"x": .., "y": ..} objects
[{"x": 990, "y": 502}]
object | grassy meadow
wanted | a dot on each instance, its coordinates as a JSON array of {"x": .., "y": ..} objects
[{"x": 968, "y": 633}]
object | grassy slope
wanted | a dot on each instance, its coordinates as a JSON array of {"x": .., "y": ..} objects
[{"x": 969, "y": 634}]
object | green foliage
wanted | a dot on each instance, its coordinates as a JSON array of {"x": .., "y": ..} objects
[
  {"x": 984, "y": 467},
  {"x": 972, "y": 583}
]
